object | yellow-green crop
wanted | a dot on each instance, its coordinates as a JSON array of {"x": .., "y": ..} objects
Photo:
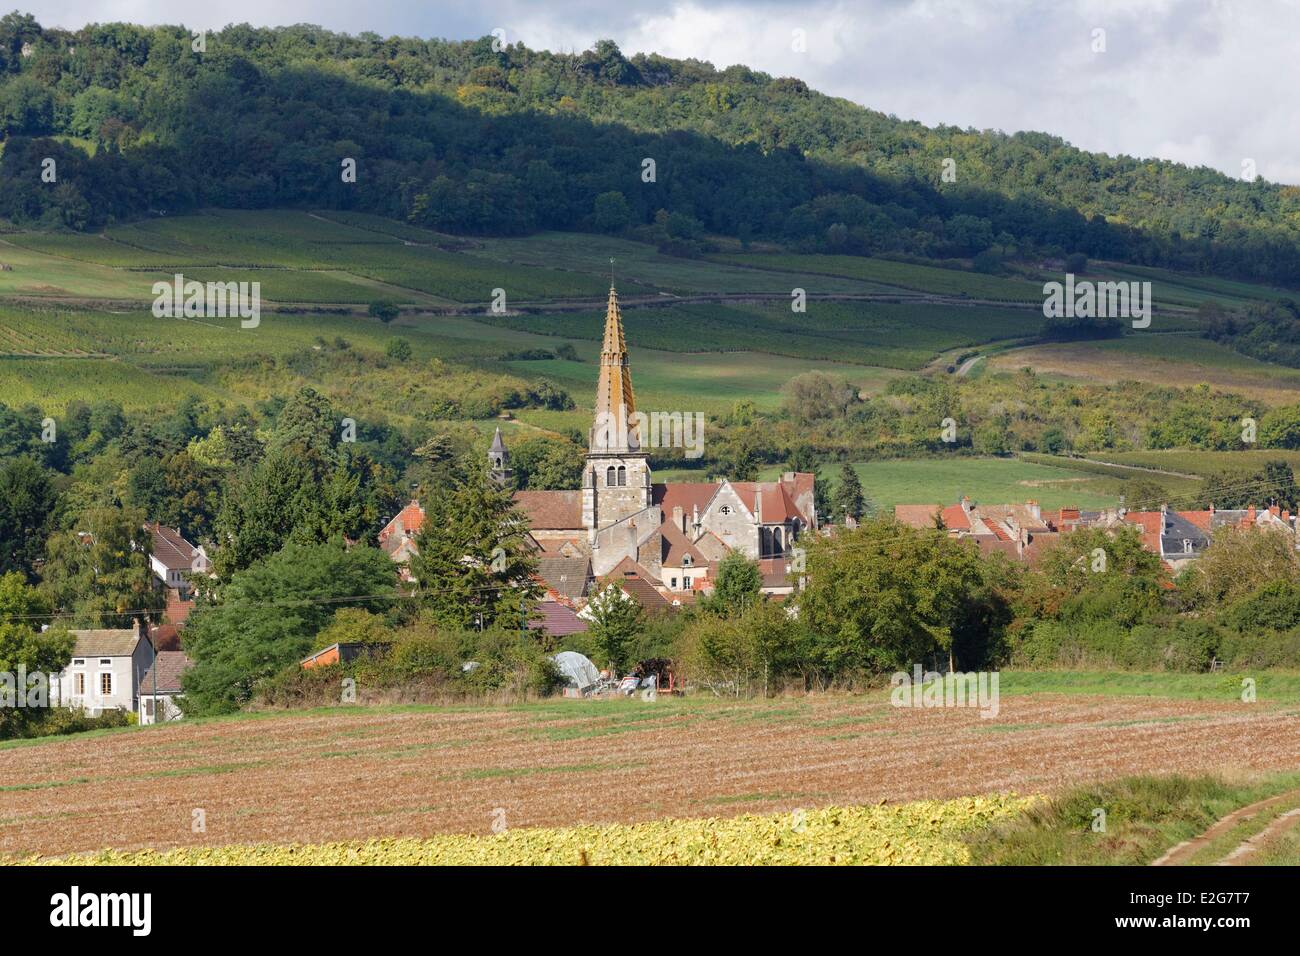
[{"x": 926, "y": 832}]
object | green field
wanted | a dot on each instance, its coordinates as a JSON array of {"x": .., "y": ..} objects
[
  {"x": 1205, "y": 462},
  {"x": 904, "y": 336},
  {"x": 989, "y": 481},
  {"x": 899, "y": 275}
]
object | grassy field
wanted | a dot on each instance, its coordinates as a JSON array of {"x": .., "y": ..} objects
[
  {"x": 390, "y": 772},
  {"x": 1144, "y": 817},
  {"x": 899, "y": 275},
  {"x": 943, "y": 481}
]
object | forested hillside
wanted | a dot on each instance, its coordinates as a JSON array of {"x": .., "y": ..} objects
[{"x": 461, "y": 138}]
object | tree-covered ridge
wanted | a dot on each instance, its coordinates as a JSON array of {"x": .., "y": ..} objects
[{"x": 460, "y": 137}]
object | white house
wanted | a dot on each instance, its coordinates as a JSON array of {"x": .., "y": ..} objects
[
  {"x": 172, "y": 557},
  {"x": 104, "y": 673},
  {"x": 160, "y": 688}
]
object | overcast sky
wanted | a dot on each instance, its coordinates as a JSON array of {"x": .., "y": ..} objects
[{"x": 1204, "y": 82}]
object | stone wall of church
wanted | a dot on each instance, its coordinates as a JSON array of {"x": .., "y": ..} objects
[
  {"x": 731, "y": 521},
  {"x": 611, "y": 503}
]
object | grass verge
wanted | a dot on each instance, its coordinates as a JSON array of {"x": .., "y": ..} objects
[{"x": 1144, "y": 816}]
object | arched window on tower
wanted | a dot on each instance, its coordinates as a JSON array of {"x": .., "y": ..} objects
[
  {"x": 622, "y": 476},
  {"x": 610, "y": 478}
]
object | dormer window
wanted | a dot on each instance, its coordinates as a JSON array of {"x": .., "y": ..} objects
[
  {"x": 1187, "y": 545},
  {"x": 686, "y": 560}
]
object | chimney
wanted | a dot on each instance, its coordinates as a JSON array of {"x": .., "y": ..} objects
[
  {"x": 965, "y": 504},
  {"x": 758, "y": 505},
  {"x": 1035, "y": 511},
  {"x": 142, "y": 628},
  {"x": 679, "y": 518}
]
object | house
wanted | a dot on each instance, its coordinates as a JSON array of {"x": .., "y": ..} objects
[
  {"x": 172, "y": 558},
  {"x": 397, "y": 538},
  {"x": 160, "y": 688},
  {"x": 105, "y": 672},
  {"x": 1022, "y": 532}
]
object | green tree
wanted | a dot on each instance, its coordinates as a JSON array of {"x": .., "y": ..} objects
[
  {"x": 399, "y": 350},
  {"x": 384, "y": 311},
  {"x": 354, "y": 625},
  {"x": 100, "y": 571},
  {"x": 267, "y": 615},
  {"x": 474, "y": 566},
  {"x": 616, "y": 619},
  {"x": 884, "y": 596},
  {"x": 738, "y": 584},
  {"x": 27, "y": 502},
  {"x": 848, "y": 500},
  {"x": 24, "y": 646},
  {"x": 611, "y": 213}
]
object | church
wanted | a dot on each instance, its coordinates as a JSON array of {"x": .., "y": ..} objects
[
  {"x": 670, "y": 534},
  {"x": 661, "y": 540}
]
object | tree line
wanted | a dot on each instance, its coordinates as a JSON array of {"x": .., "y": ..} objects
[{"x": 480, "y": 137}]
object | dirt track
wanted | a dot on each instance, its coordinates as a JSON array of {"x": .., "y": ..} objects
[{"x": 356, "y": 773}]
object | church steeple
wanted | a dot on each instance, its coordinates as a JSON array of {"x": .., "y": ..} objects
[
  {"x": 499, "y": 461},
  {"x": 615, "y": 429}
]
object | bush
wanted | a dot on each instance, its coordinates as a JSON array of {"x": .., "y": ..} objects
[{"x": 68, "y": 720}]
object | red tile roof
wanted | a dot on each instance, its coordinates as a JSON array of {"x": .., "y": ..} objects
[
  {"x": 637, "y": 581},
  {"x": 917, "y": 516},
  {"x": 407, "y": 521},
  {"x": 689, "y": 495},
  {"x": 551, "y": 510},
  {"x": 557, "y": 620}
]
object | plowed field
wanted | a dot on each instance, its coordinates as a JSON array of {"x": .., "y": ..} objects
[{"x": 348, "y": 774}]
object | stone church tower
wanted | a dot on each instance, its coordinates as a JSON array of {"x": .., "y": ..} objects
[
  {"x": 616, "y": 480},
  {"x": 499, "y": 461}
]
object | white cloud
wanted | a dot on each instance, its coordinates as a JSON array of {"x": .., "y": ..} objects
[{"x": 1198, "y": 81}]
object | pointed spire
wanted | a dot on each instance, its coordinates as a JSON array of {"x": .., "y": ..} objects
[
  {"x": 615, "y": 430},
  {"x": 497, "y": 443}
]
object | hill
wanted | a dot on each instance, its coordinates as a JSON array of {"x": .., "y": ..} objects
[{"x": 465, "y": 138}]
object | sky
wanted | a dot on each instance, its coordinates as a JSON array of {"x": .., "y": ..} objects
[{"x": 1202, "y": 82}]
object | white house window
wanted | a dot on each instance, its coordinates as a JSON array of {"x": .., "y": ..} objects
[
  {"x": 686, "y": 582},
  {"x": 674, "y": 584},
  {"x": 106, "y": 685},
  {"x": 105, "y": 660},
  {"x": 148, "y": 706},
  {"x": 80, "y": 684},
  {"x": 79, "y": 660},
  {"x": 686, "y": 560}
]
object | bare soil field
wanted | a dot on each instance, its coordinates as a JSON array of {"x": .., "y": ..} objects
[{"x": 353, "y": 773}]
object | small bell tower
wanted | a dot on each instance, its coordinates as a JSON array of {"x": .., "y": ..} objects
[{"x": 499, "y": 461}]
